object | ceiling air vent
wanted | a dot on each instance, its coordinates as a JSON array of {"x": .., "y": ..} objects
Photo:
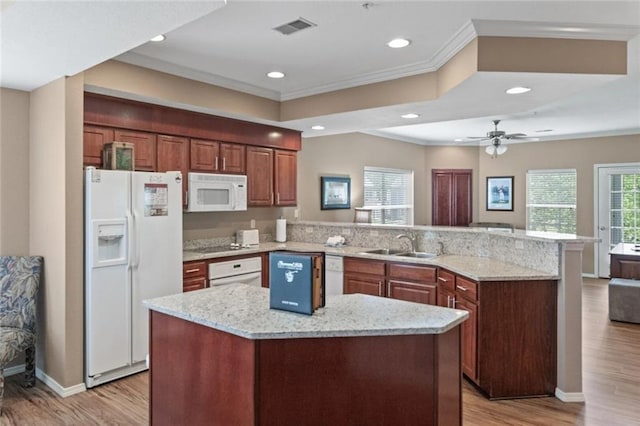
[{"x": 294, "y": 26}]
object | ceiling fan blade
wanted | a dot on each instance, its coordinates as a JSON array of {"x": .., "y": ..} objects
[
  {"x": 477, "y": 137},
  {"x": 515, "y": 135}
]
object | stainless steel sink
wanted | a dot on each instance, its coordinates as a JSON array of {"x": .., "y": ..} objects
[
  {"x": 418, "y": 254},
  {"x": 388, "y": 252}
]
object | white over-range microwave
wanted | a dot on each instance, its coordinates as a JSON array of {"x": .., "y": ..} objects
[{"x": 208, "y": 192}]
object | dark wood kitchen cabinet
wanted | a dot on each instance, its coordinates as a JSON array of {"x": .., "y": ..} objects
[
  {"x": 259, "y": 176},
  {"x": 364, "y": 276},
  {"x": 451, "y": 197},
  {"x": 509, "y": 340},
  {"x": 285, "y": 178},
  {"x": 403, "y": 281},
  {"x": 194, "y": 275},
  {"x": 94, "y": 138},
  {"x": 271, "y": 177},
  {"x": 173, "y": 156},
  {"x": 413, "y": 283},
  {"x": 216, "y": 157},
  {"x": 144, "y": 147}
]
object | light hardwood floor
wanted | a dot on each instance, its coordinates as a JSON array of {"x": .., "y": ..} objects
[{"x": 611, "y": 384}]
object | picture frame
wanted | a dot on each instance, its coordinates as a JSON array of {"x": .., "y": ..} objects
[
  {"x": 335, "y": 192},
  {"x": 500, "y": 193}
]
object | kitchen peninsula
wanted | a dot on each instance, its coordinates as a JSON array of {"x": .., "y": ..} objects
[
  {"x": 497, "y": 261},
  {"x": 221, "y": 356}
]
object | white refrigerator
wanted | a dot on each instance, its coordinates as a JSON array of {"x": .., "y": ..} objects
[{"x": 133, "y": 251}]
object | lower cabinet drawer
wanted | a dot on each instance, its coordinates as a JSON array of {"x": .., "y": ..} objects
[{"x": 191, "y": 284}]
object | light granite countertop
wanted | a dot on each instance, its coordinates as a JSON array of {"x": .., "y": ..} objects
[
  {"x": 473, "y": 267},
  {"x": 244, "y": 311}
]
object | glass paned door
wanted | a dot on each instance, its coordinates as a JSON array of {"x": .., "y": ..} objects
[{"x": 618, "y": 207}]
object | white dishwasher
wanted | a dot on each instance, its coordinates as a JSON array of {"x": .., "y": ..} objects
[
  {"x": 242, "y": 271},
  {"x": 332, "y": 275}
]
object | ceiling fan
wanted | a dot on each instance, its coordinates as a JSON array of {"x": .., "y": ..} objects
[{"x": 496, "y": 136}]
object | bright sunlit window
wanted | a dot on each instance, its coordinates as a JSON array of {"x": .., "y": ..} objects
[
  {"x": 551, "y": 200},
  {"x": 389, "y": 195}
]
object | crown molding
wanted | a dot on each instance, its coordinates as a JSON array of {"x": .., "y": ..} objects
[
  {"x": 568, "y": 30},
  {"x": 190, "y": 73}
]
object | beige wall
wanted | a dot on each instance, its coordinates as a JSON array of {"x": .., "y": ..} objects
[
  {"x": 347, "y": 155},
  {"x": 14, "y": 172},
  {"x": 55, "y": 221}
]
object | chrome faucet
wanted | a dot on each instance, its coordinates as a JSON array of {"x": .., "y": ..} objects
[{"x": 412, "y": 238}]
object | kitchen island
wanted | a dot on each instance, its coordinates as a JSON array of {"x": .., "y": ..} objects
[{"x": 221, "y": 356}]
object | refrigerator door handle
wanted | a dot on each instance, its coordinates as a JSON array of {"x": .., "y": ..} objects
[
  {"x": 136, "y": 244},
  {"x": 130, "y": 235}
]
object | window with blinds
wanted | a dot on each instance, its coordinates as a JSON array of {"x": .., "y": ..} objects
[
  {"x": 551, "y": 200},
  {"x": 389, "y": 195}
]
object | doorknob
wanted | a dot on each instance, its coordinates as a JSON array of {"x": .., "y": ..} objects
[{"x": 602, "y": 228}]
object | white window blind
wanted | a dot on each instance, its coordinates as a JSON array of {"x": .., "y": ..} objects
[
  {"x": 551, "y": 200},
  {"x": 389, "y": 195}
]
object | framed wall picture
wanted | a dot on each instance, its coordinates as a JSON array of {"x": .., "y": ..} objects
[
  {"x": 335, "y": 192},
  {"x": 500, "y": 193}
]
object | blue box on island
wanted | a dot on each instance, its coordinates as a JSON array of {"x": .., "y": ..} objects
[{"x": 296, "y": 282}]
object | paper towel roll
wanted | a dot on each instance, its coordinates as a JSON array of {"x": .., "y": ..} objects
[{"x": 281, "y": 230}]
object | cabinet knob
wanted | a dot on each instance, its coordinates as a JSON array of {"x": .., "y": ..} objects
[
  {"x": 224, "y": 163},
  {"x": 216, "y": 164}
]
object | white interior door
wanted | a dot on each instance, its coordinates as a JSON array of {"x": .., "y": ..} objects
[
  {"x": 618, "y": 209},
  {"x": 157, "y": 252}
]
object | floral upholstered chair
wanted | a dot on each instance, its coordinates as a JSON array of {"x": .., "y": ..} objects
[{"x": 19, "y": 281}]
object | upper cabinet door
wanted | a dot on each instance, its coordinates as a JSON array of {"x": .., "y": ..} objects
[
  {"x": 93, "y": 140},
  {"x": 285, "y": 178},
  {"x": 144, "y": 149},
  {"x": 173, "y": 156},
  {"x": 204, "y": 156},
  {"x": 233, "y": 158},
  {"x": 259, "y": 176}
]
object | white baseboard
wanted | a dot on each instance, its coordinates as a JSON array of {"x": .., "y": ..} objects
[
  {"x": 56, "y": 387},
  {"x": 589, "y": 275},
  {"x": 44, "y": 378},
  {"x": 569, "y": 396},
  {"x": 16, "y": 369}
]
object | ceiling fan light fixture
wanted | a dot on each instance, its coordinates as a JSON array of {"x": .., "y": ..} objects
[
  {"x": 501, "y": 149},
  {"x": 491, "y": 150},
  {"x": 518, "y": 90}
]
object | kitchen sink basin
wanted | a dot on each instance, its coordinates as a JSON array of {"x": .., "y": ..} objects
[
  {"x": 390, "y": 252},
  {"x": 418, "y": 254}
]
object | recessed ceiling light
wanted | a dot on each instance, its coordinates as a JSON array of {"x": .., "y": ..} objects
[
  {"x": 397, "y": 43},
  {"x": 159, "y": 37},
  {"x": 410, "y": 115},
  {"x": 317, "y": 127},
  {"x": 275, "y": 74},
  {"x": 458, "y": 140},
  {"x": 518, "y": 90}
]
